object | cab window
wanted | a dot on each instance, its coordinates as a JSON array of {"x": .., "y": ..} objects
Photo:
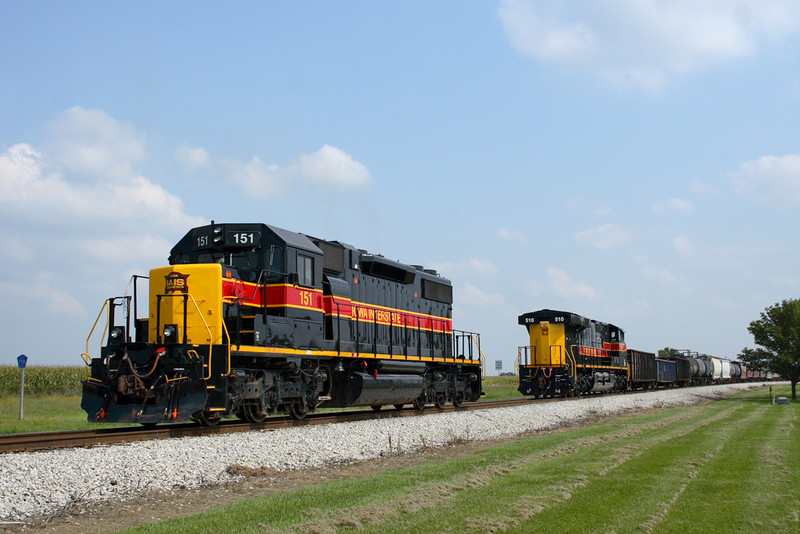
[{"x": 305, "y": 270}]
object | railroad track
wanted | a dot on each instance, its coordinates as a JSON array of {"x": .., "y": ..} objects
[{"x": 99, "y": 436}]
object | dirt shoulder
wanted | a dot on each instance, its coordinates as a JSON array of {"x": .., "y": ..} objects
[{"x": 84, "y": 518}]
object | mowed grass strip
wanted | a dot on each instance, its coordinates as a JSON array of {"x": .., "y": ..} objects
[
  {"x": 536, "y": 483},
  {"x": 753, "y": 483},
  {"x": 729, "y": 466}
]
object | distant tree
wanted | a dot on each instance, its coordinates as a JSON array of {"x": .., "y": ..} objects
[
  {"x": 668, "y": 352},
  {"x": 778, "y": 334}
]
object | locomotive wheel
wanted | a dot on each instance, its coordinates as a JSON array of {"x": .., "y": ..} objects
[
  {"x": 398, "y": 406},
  {"x": 206, "y": 418},
  {"x": 458, "y": 399},
  {"x": 376, "y": 407},
  {"x": 440, "y": 400},
  {"x": 297, "y": 410},
  {"x": 419, "y": 403},
  {"x": 251, "y": 414}
]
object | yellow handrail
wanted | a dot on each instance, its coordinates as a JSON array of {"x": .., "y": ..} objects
[
  {"x": 482, "y": 355},
  {"x": 228, "y": 345},
  {"x": 208, "y": 331},
  {"x": 85, "y": 356}
]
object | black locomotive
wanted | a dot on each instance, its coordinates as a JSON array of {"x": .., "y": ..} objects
[
  {"x": 572, "y": 355},
  {"x": 252, "y": 319},
  {"x": 569, "y": 354}
]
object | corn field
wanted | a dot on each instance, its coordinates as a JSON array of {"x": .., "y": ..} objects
[{"x": 41, "y": 380}]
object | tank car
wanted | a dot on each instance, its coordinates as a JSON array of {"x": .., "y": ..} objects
[
  {"x": 252, "y": 320},
  {"x": 736, "y": 371},
  {"x": 570, "y": 354}
]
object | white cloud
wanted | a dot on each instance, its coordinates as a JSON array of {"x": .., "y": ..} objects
[
  {"x": 645, "y": 43},
  {"x": 20, "y": 173},
  {"x": 606, "y": 236},
  {"x": 770, "y": 180},
  {"x": 660, "y": 274},
  {"x": 471, "y": 266},
  {"x": 145, "y": 248},
  {"x": 87, "y": 175},
  {"x": 683, "y": 246},
  {"x": 328, "y": 167},
  {"x": 257, "y": 178},
  {"x": 472, "y": 295},
  {"x": 192, "y": 157},
  {"x": 511, "y": 235},
  {"x": 33, "y": 190},
  {"x": 89, "y": 143},
  {"x": 601, "y": 211},
  {"x": 565, "y": 287},
  {"x": 699, "y": 187},
  {"x": 44, "y": 294},
  {"x": 15, "y": 249},
  {"x": 77, "y": 202},
  {"x": 673, "y": 204}
]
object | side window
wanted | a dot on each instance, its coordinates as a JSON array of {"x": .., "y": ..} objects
[{"x": 305, "y": 270}]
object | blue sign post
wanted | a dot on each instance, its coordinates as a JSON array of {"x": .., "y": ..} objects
[{"x": 22, "y": 361}]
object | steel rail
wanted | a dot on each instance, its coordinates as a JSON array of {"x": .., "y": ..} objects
[{"x": 28, "y": 442}]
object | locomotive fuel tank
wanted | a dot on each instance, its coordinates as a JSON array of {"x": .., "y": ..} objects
[
  {"x": 603, "y": 382},
  {"x": 377, "y": 389}
]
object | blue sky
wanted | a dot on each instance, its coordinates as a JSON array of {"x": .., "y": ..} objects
[{"x": 636, "y": 162}]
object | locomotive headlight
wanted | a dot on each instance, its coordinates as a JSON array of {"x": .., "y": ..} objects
[
  {"x": 116, "y": 333},
  {"x": 218, "y": 234},
  {"x": 169, "y": 332}
]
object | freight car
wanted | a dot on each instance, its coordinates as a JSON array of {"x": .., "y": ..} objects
[
  {"x": 642, "y": 366},
  {"x": 666, "y": 372},
  {"x": 252, "y": 320}
]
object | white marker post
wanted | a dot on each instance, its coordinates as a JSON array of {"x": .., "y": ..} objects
[{"x": 22, "y": 360}]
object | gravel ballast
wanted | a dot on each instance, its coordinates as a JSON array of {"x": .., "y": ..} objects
[{"x": 48, "y": 482}]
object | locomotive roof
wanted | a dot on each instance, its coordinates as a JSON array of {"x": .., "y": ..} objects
[
  {"x": 295, "y": 239},
  {"x": 563, "y": 316},
  {"x": 303, "y": 242},
  {"x": 190, "y": 240}
]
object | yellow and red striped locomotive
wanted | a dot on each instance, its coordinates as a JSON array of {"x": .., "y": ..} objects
[
  {"x": 251, "y": 320},
  {"x": 570, "y": 354}
]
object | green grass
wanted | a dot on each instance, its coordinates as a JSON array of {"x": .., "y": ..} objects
[
  {"x": 726, "y": 466},
  {"x": 500, "y": 387},
  {"x": 44, "y": 412}
]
